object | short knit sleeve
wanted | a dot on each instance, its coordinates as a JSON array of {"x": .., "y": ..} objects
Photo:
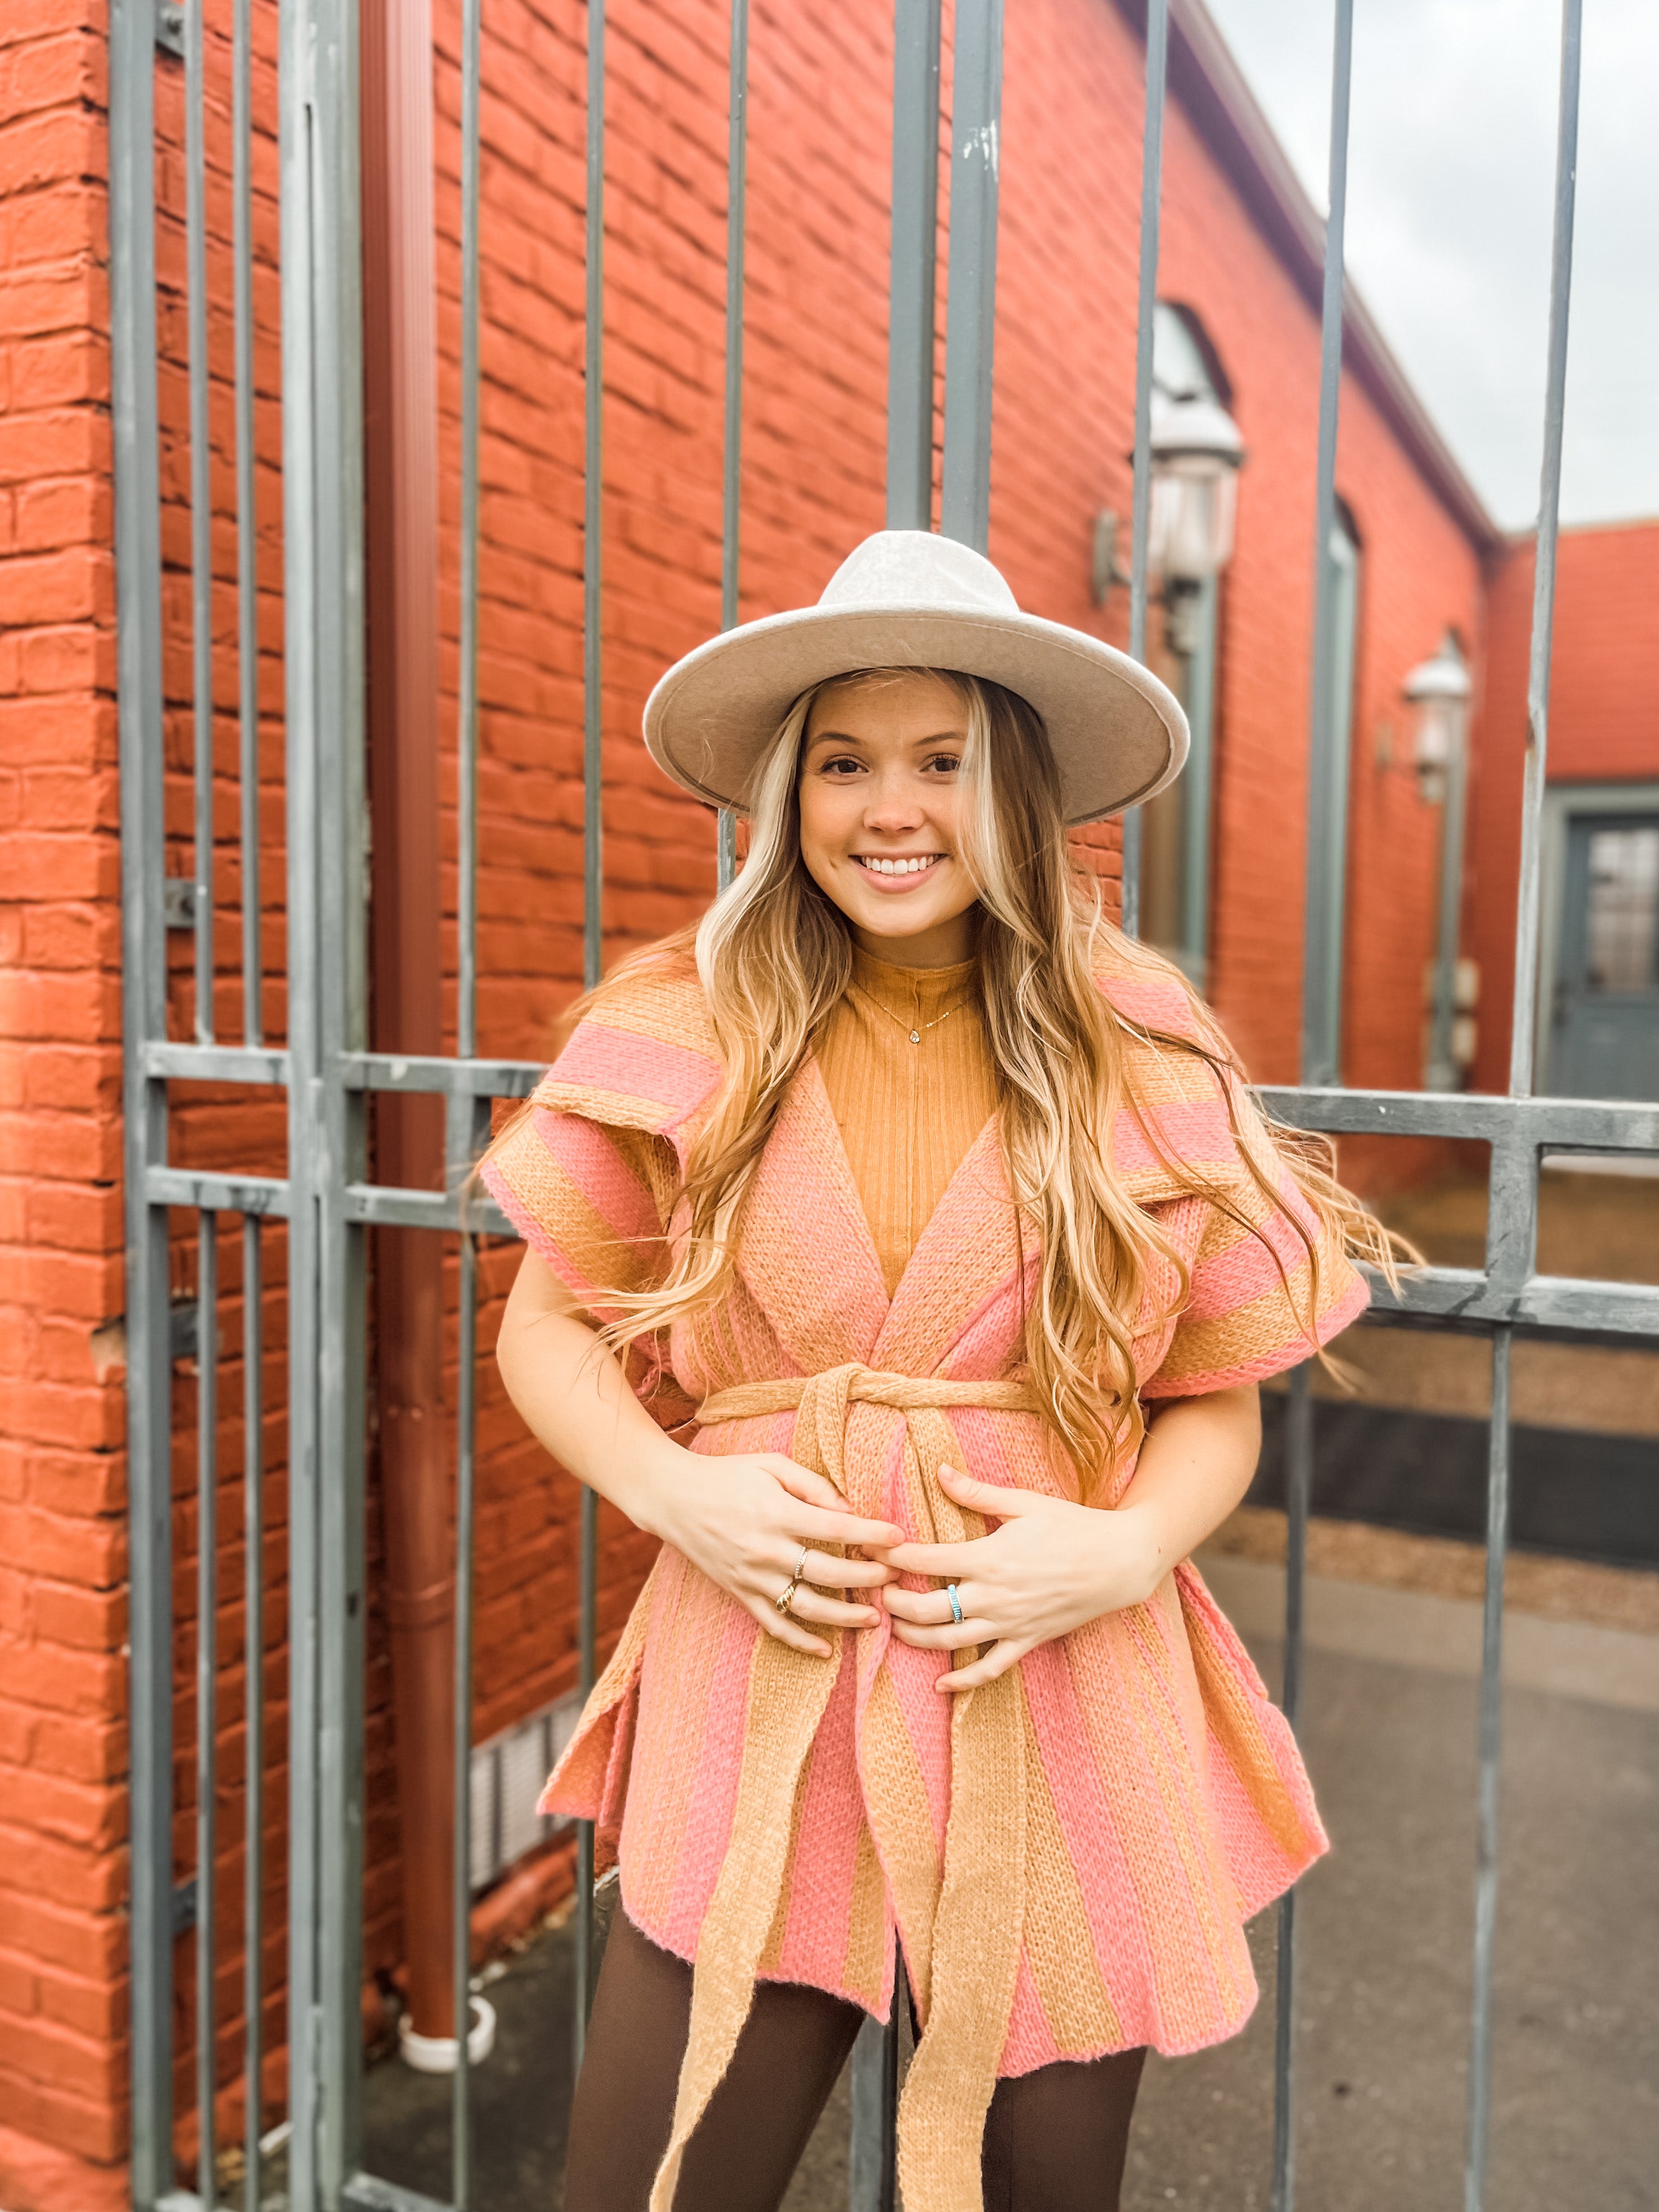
[
  {"x": 588, "y": 1198},
  {"x": 1251, "y": 1310}
]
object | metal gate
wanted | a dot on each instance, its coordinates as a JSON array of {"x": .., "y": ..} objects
[{"x": 316, "y": 1212}]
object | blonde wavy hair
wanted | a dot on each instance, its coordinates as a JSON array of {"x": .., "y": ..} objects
[{"x": 774, "y": 955}]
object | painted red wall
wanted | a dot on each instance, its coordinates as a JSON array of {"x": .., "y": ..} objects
[{"x": 1603, "y": 726}]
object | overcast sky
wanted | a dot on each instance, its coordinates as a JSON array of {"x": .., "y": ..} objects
[{"x": 1451, "y": 188}]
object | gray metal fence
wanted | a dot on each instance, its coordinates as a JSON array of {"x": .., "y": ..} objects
[{"x": 323, "y": 1202}]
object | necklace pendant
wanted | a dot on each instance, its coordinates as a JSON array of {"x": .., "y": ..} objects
[{"x": 915, "y": 1037}]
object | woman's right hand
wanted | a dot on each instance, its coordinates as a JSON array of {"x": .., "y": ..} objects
[{"x": 744, "y": 1518}]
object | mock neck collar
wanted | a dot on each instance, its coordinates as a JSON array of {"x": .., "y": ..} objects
[{"x": 910, "y": 989}]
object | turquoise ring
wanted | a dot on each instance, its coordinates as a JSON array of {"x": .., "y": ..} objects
[{"x": 956, "y": 1602}]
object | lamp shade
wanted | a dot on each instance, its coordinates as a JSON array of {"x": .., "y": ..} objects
[
  {"x": 1439, "y": 688},
  {"x": 1197, "y": 453}
]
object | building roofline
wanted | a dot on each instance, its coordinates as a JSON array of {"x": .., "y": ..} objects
[{"x": 1208, "y": 82}]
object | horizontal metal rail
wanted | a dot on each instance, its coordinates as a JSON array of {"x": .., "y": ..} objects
[{"x": 1586, "y": 1125}]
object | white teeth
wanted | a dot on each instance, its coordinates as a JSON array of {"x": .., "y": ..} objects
[{"x": 906, "y": 867}]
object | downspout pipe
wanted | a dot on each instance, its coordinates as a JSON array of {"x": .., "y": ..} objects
[{"x": 400, "y": 370}]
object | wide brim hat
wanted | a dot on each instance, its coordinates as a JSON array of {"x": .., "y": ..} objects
[{"x": 906, "y": 598}]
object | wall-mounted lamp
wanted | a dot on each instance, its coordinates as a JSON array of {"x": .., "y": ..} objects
[
  {"x": 1196, "y": 453},
  {"x": 1439, "y": 689}
]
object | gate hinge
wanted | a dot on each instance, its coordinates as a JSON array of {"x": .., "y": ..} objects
[
  {"x": 178, "y": 903},
  {"x": 184, "y": 1905},
  {"x": 170, "y": 27}
]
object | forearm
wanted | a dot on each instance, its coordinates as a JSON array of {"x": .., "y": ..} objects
[
  {"x": 571, "y": 1395},
  {"x": 1194, "y": 1467}
]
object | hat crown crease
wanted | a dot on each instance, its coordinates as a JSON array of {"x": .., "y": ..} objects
[{"x": 914, "y": 569}]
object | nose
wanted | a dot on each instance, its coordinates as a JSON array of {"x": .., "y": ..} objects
[{"x": 894, "y": 806}]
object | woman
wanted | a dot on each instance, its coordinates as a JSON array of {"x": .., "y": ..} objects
[{"x": 868, "y": 1226}]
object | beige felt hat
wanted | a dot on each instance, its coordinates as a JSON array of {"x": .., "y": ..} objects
[{"x": 906, "y": 598}]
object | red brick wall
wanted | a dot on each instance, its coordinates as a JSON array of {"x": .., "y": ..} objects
[
  {"x": 812, "y": 484},
  {"x": 61, "y": 1534},
  {"x": 1603, "y": 726}
]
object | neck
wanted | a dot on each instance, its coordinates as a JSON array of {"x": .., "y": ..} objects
[{"x": 945, "y": 946}]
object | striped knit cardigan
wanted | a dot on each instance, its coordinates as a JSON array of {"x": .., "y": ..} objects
[{"x": 1067, "y": 1855}]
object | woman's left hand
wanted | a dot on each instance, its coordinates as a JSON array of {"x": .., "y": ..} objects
[{"x": 1050, "y": 1567}]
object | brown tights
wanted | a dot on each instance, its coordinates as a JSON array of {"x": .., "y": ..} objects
[{"x": 1054, "y": 2140}]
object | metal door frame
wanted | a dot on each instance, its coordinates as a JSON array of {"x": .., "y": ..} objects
[
  {"x": 1563, "y": 802},
  {"x": 327, "y": 1071}
]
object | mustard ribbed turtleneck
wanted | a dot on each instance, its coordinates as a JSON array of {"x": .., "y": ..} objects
[{"x": 908, "y": 1112}]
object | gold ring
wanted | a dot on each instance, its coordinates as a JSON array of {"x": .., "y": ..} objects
[
  {"x": 786, "y": 1596},
  {"x": 800, "y": 1564}
]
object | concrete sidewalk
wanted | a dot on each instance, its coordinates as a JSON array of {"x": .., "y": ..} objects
[{"x": 1389, "y": 1731}]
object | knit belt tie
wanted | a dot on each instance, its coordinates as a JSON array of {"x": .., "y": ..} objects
[{"x": 961, "y": 1921}]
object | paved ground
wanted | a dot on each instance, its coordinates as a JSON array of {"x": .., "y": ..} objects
[{"x": 1385, "y": 1987}]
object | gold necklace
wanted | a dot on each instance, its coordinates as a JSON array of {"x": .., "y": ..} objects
[{"x": 915, "y": 1035}]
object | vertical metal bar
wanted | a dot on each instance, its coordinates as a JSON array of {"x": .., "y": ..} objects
[
  {"x": 466, "y": 731},
  {"x": 872, "y": 2166},
  {"x": 253, "y": 1599},
  {"x": 1442, "y": 1071},
  {"x": 1523, "y": 1024},
  {"x": 207, "y": 1672},
  {"x": 342, "y": 914},
  {"x": 592, "y": 882},
  {"x": 593, "y": 512},
  {"x": 737, "y": 165},
  {"x": 465, "y": 1410},
  {"x": 971, "y": 312},
  {"x": 1151, "y": 193},
  {"x": 913, "y": 249},
  {"x": 461, "y": 1118},
  {"x": 300, "y": 596},
  {"x": 1198, "y": 786},
  {"x": 247, "y": 534},
  {"x": 586, "y": 1639},
  {"x": 322, "y": 396},
  {"x": 138, "y": 669},
  {"x": 1511, "y": 1237},
  {"x": 1298, "y": 1499},
  {"x": 1319, "y": 1046},
  {"x": 201, "y": 509},
  {"x": 1486, "y": 1802},
  {"x": 736, "y": 162}
]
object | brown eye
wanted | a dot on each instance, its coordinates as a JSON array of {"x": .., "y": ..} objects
[{"x": 944, "y": 763}]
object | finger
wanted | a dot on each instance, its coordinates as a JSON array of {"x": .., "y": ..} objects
[
  {"x": 926, "y": 1608},
  {"x": 831, "y": 1611},
  {"x": 997, "y": 1660},
  {"x": 800, "y": 1482},
  {"x": 786, "y": 1631},
  {"x": 1002, "y": 1502},
  {"x": 950, "y": 1562},
  {"x": 844, "y": 1528},
  {"x": 831, "y": 1573},
  {"x": 955, "y": 1636}
]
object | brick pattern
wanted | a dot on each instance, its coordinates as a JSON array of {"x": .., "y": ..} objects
[
  {"x": 812, "y": 484},
  {"x": 62, "y": 1534},
  {"x": 1603, "y": 728}
]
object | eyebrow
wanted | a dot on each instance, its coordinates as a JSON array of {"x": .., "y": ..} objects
[{"x": 846, "y": 738}]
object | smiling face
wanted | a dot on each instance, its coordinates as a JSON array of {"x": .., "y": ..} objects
[{"x": 880, "y": 793}]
